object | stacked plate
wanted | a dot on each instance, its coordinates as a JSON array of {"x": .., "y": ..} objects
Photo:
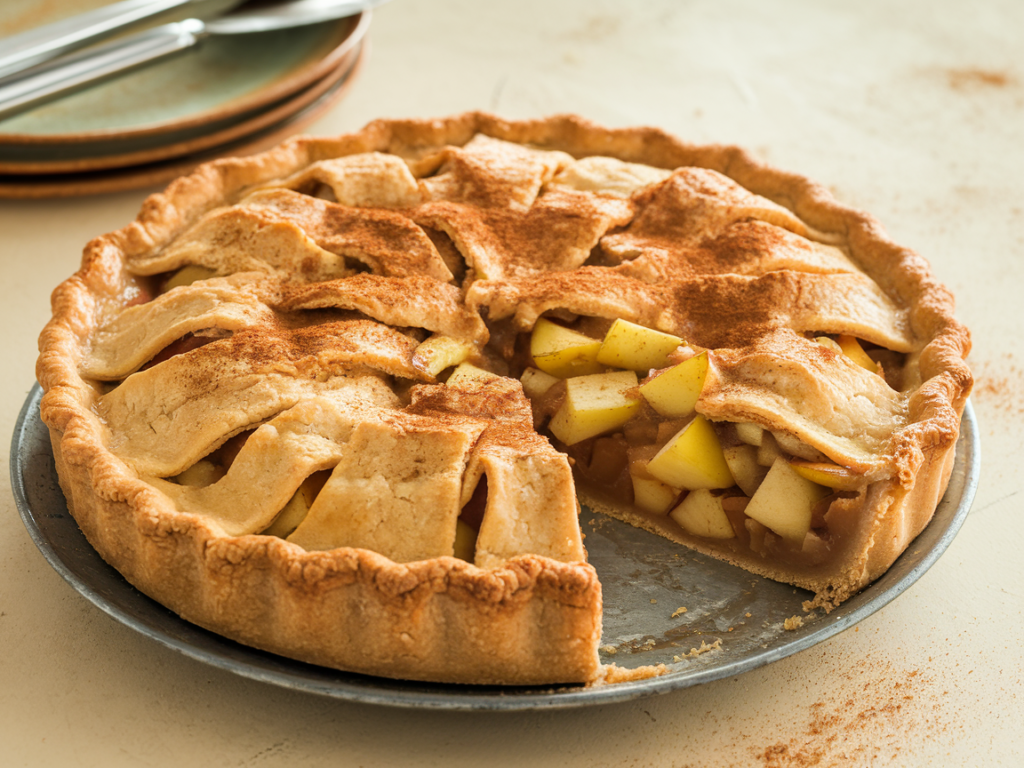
[{"x": 234, "y": 95}]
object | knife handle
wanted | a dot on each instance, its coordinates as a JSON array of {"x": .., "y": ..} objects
[
  {"x": 46, "y": 82},
  {"x": 19, "y": 52}
]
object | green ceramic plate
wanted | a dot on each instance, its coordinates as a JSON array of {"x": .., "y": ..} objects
[
  {"x": 108, "y": 153},
  {"x": 223, "y": 79},
  {"x": 153, "y": 173}
]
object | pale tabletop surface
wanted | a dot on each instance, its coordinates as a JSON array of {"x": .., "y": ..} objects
[{"x": 913, "y": 111}]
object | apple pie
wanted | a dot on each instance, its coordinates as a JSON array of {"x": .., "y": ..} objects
[{"x": 339, "y": 401}]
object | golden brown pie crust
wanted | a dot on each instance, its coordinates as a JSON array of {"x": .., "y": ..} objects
[{"x": 525, "y": 617}]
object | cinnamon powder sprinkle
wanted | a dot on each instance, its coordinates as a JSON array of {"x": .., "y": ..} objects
[
  {"x": 971, "y": 79},
  {"x": 999, "y": 386},
  {"x": 862, "y": 729}
]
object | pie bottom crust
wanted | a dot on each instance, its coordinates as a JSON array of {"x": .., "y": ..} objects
[{"x": 534, "y": 621}]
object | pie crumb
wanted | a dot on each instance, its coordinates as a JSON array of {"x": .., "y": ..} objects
[
  {"x": 678, "y": 611},
  {"x": 793, "y": 622},
  {"x": 611, "y": 650},
  {"x": 611, "y": 673},
  {"x": 695, "y": 652}
]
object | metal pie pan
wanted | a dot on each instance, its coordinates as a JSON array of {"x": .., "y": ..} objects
[{"x": 646, "y": 581}]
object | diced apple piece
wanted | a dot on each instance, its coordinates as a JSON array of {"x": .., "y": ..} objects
[
  {"x": 298, "y": 505},
  {"x": 742, "y": 461},
  {"x": 830, "y": 343},
  {"x": 768, "y": 452},
  {"x": 830, "y": 475},
  {"x": 465, "y": 373},
  {"x": 201, "y": 474},
  {"x": 593, "y": 405},
  {"x": 563, "y": 352},
  {"x": 853, "y": 350},
  {"x": 465, "y": 541},
  {"x": 757, "y": 535},
  {"x": 440, "y": 352},
  {"x": 193, "y": 273},
  {"x": 692, "y": 459},
  {"x": 632, "y": 346},
  {"x": 749, "y": 433},
  {"x": 313, "y": 484},
  {"x": 783, "y": 502},
  {"x": 701, "y": 514},
  {"x": 674, "y": 393},
  {"x": 536, "y": 383},
  {"x": 652, "y": 495},
  {"x": 288, "y": 519}
]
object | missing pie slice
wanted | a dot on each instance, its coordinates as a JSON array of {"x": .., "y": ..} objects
[{"x": 337, "y": 401}]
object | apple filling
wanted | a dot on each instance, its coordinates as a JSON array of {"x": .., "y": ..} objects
[{"x": 624, "y": 408}]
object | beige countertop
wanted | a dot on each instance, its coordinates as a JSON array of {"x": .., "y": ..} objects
[{"x": 912, "y": 111}]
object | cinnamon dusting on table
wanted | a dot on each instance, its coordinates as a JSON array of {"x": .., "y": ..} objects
[
  {"x": 868, "y": 725},
  {"x": 973, "y": 78},
  {"x": 999, "y": 386}
]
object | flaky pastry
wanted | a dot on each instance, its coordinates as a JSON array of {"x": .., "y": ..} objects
[{"x": 305, "y": 401}]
